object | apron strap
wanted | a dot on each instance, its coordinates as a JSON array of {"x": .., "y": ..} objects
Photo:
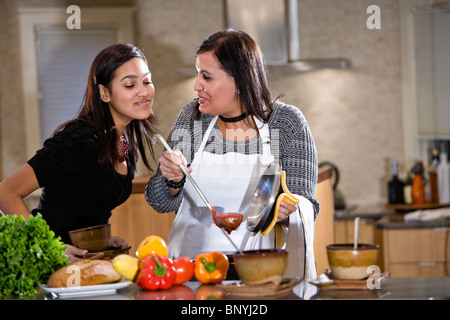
[
  {"x": 264, "y": 134},
  {"x": 207, "y": 133}
]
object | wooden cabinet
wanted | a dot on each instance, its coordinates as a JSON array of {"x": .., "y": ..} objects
[
  {"x": 323, "y": 226},
  {"x": 421, "y": 252},
  {"x": 344, "y": 231},
  {"x": 135, "y": 219}
]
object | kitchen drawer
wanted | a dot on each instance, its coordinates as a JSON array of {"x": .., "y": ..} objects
[
  {"x": 417, "y": 269},
  {"x": 416, "y": 245}
]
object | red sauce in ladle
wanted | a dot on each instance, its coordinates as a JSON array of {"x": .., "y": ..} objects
[{"x": 228, "y": 221}]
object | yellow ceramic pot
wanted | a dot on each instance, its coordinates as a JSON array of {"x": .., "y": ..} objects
[
  {"x": 347, "y": 263},
  {"x": 261, "y": 266}
]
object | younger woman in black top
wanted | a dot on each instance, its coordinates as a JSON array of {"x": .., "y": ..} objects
[{"x": 86, "y": 168}]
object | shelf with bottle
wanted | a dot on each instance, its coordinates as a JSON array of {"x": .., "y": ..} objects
[
  {"x": 413, "y": 207},
  {"x": 423, "y": 188}
]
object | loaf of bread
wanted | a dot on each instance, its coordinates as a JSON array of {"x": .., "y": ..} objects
[{"x": 84, "y": 273}]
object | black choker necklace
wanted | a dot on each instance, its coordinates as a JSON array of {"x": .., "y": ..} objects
[{"x": 235, "y": 119}]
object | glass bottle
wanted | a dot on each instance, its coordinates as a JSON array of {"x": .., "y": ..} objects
[
  {"x": 418, "y": 185},
  {"x": 443, "y": 179},
  {"x": 433, "y": 177},
  {"x": 395, "y": 186},
  {"x": 407, "y": 188}
]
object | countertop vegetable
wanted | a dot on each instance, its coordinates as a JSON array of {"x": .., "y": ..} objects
[
  {"x": 184, "y": 268},
  {"x": 156, "y": 272},
  {"x": 211, "y": 267},
  {"x": 210, "y": 292},
  {"x": 29, "y": 254},
  {"x": 152, "y": 245}
]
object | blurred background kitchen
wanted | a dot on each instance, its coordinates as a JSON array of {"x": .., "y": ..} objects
[{"x": 385, "y": 98}]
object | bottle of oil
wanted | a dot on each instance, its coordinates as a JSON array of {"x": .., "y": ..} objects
[{"x": 418, "y": 185}]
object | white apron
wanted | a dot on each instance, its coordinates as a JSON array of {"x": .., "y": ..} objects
[{"x": 228, "y": 182}]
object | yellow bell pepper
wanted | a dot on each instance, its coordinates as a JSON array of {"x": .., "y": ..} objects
[{"x": 152, "y": 245}]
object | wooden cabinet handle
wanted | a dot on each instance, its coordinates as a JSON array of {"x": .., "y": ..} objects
[{"x": 427, "y": 264}]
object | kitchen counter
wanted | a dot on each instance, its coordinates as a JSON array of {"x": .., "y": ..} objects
[
  {"x": 373, "y": 212},
  {"x": 396, "y": 221},
  {"x": 437, "y": 288},
  {"x": 389, "y": 289}
]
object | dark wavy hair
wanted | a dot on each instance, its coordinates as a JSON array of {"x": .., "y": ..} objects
[
  {"x": 93, "y": 110},
  {"x": 240, "y": 56}
]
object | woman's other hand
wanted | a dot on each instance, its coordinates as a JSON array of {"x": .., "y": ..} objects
[
  {"x": 169, "y": 165},
  {"x": 75, "y": 254},
  {"x": 119, "y": 241},
  {"x": 285, "y": 210}
]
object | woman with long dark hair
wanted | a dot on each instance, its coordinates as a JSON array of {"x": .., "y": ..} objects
[
  {"x": 227, "y": 136},
  {"x": 86, "y": 168}
]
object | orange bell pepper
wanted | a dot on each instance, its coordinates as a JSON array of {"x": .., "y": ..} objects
[
  {"x": 211, "y": 267},
  {"x": 210, "y": 292}
]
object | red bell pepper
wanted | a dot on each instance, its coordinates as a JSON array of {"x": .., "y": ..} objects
[{"x": 157, "y": 272}]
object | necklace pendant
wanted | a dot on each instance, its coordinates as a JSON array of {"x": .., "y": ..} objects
[{"x": 123, "y": 149}]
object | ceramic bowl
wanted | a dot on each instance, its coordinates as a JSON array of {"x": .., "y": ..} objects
[
  {"x": 261, "y": 266},
  {"x": 93, "y": 239},
  {"x": 347, "y": 263}
]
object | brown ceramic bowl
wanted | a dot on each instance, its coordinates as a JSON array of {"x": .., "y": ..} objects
[
  {"x": 347, "y": 263},
  {"x": 261, "y": 266},
  {"x": 93, "y": 239}
]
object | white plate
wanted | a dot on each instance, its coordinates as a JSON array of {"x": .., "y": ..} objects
[{"x": 100, "y": 289}]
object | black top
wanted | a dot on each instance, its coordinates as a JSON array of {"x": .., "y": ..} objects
[{"x": 77, "y": 192}]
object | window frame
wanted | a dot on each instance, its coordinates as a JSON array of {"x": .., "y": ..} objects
[
  {"x": 415, "y": 146},
  {"x": 28, "y": 19}
]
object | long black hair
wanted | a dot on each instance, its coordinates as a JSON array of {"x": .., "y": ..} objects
[{"x": 93, "y": 110}]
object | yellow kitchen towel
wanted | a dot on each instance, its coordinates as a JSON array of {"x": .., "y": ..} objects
[{"x": 287, "y": 197}]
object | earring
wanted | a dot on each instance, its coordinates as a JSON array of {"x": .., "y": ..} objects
[{"x": 237, "y": 91}]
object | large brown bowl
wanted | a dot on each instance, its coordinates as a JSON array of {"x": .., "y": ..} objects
[
  {"x": 261, "y": 266},
  {"x": 93, "y": 239},
  {"x": 347, "y": 263}
]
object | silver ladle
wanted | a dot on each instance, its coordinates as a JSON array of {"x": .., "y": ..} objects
[{"x": 356, "y": 235}]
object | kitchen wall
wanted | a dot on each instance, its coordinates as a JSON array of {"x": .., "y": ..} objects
[{"x": 355, "y": 115}]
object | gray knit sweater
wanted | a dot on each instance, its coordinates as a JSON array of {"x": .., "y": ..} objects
[{"x": 291, "y": 141}]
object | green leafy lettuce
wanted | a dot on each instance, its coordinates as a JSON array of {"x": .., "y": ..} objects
[{"x": 29, "y": 254}]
